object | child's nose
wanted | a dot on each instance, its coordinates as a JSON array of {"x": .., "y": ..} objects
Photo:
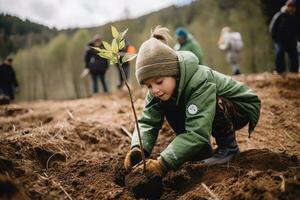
[{"x": 155, "y": 90}]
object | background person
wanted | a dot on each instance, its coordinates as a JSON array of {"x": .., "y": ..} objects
[
  {"x": 186, "y": 42},
  {"x": 96, "y": 65},
  {"x": 283, "y": 31},
  {"x": 126, "y": 66},
  {"x": 232, "y": 43},
  {"x": 8, "y": 81}
]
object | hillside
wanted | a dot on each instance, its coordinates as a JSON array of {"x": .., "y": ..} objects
[
  {"x": 16, "y": 34},
  {"x": 75, "y": 149}
]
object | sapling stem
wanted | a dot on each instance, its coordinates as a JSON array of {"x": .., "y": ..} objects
[{"x": 134, "y": 113}]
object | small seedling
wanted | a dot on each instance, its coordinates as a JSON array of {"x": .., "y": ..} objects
[{"x": 113, "y": 54}]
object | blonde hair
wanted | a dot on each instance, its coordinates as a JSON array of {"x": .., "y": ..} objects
[
  {"x": 226, "y": 29},
  {"x": 161, "y": 33}
]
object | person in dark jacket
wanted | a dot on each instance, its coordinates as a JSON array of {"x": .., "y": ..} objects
[
  {"x": 128, "y": 49},
  {"x": 283, "y": 30},
  {"x": 96, "y": 65},
  {"x": 196, "y": 101},
  {"x": 125, "y": 66},
  {"x": 8, "y": 81}
]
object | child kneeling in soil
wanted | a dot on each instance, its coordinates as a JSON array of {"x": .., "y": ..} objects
[{"x": 197, "y": 102}]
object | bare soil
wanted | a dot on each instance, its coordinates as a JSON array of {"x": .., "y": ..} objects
[{"x": 75, "y": 149}]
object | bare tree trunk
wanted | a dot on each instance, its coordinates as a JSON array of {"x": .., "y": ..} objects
[
  {"x": 44, "y": 86},
  {"x": 75, "y": 84},
  {"x": 253, "y": 57}
]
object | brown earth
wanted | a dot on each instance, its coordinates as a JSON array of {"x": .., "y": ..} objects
[{"x": 75, "y": 149}]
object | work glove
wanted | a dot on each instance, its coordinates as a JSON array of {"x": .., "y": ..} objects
[
  {"x": 153, "y": 166},
  {"x": 133, "y": 157}
]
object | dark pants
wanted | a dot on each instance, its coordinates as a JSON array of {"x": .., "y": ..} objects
[
  {"x": 291, "y": 49},
  {"x": 95, "y": 82},
  {"x": 125, "y": 67},
  {"x": 227, "y": 120},
  {"x": 7, "y": 90}
]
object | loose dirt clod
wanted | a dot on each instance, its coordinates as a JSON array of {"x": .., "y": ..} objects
[
  {"x": 9, "y": 189},
  {"x": 144, "y": 185}
]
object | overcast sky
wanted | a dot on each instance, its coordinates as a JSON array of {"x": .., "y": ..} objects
[{"x": 81, "y": 13}]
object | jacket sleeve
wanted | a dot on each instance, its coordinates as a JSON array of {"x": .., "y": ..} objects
[
  {"x": 87, "y": 56},
  {"x": 14, "y": 79},
  {"x": 200, "y": 111},
  {"x": 196, "y": 49},
  {"x": 273, "y": 28},
  {"x": 149, "y": 123}
]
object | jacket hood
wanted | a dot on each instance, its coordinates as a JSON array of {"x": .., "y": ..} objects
[{"x": 187, "y": 60}]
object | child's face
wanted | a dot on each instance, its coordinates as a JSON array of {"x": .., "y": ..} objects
[{"x": 162, "y": 86}]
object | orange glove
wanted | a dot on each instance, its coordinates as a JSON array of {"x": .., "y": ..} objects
[
  {"x": 154, "y": 166},
  {"x": 133, "y": 157}
]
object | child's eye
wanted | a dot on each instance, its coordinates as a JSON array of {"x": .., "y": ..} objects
[{"x": 159, "y": 82}]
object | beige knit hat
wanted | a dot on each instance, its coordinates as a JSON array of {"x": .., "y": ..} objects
[{"x": 156, "y": 58}]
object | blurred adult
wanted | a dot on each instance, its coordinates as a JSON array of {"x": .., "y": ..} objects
[
  {"x": 96, "y": 65},
  {"x": 232, "y": 43},
  {"x": 283, "y": 30},
  {"x": 186, "y": 42},
  {"x": 8, "y": 81},
  {"x": 127, "y": 49}
]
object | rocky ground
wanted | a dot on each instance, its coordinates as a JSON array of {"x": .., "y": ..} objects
[{"x": 75, "y": 149}]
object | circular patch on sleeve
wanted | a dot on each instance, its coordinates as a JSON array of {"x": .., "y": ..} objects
[{"x": 192, "y": 109}]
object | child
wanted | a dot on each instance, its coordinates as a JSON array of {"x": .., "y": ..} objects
[{"x": 196, "y": 101}]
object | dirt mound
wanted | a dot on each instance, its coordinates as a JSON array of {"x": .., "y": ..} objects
[
  {"x": 144, "y": 185},
  {"x": 13, "y": 111},
  {"x": 238, "y": 179},
  {"x": 75, "y": 149}
]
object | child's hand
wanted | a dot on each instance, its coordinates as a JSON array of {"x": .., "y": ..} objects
[
  {"x": 153, "y": 166},
  {"x": 133, "y": 157}
]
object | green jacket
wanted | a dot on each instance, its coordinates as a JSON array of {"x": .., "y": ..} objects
[
  {"x": 198, "y": 86},
  {"x": 191, "y": 45}
]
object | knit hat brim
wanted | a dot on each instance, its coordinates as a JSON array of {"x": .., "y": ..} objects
[
  {"x": 156, "y": 58},
  {"x": 155, "y": 70}
]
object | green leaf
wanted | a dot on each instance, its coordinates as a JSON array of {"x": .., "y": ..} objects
[
  {"x": 106, "y": 45},
  {"x": 114, "y": 32},
  {"x": 105, "y": 54},
  {"x": 115, "y": 46},
  {"x": 113, "y": 61},
  {"x": 122, "y": 44},
  {"x": 96, "y": 48},
  {"x": 104, "y": 51},
  {"x": 128, "y": 57},
  {"x": 121, "y": 36}
]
